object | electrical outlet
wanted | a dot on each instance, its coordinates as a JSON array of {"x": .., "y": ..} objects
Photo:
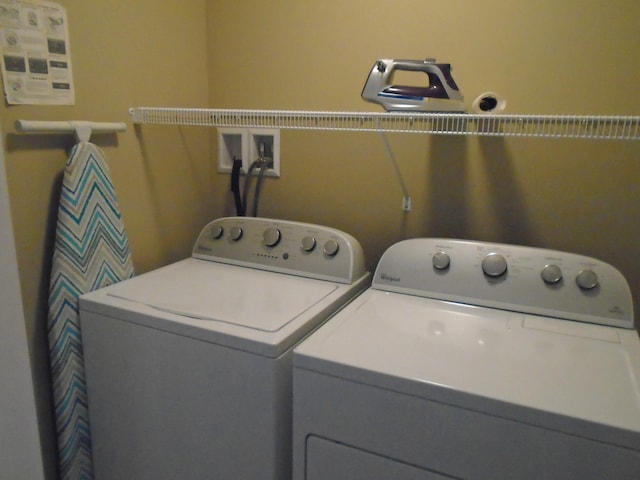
[{"x": 232, "y": 143}]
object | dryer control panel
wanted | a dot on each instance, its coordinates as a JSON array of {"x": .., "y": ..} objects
[
  {"x": 282, "y": 246},
  {"x": 510, "y": 277}
]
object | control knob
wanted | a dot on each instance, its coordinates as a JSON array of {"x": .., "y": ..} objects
[
  {"x": 216, "y": 232},
  {"x": 441, "y": 261},
  {"x": 494, "y": 265},
  {"x": 271, "y": 237},
  {"x": 308, "y": 243},
  {"x": 235, "y": 234},
  {"x": 551, "y": 274},
  {"x": 587, "y": 279},
  {"x": 331, "y": 248}
]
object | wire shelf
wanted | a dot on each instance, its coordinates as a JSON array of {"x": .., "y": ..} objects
[{"x": 544, "y": 126}]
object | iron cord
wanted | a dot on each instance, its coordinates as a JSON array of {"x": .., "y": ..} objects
[{"x": 406, "y": 198}]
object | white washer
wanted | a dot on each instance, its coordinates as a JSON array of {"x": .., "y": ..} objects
[
  {"x": 189, "y": 366},
  {"x": 472, "y": 360}
]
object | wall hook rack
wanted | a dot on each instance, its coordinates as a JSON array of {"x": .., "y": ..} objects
[{"x": 81, "y": 129}]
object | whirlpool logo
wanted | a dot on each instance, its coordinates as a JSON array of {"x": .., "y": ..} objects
[{"x": 389, "y": 278}]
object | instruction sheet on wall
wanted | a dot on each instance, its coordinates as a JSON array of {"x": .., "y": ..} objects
[{"x": 36, "y": 58}]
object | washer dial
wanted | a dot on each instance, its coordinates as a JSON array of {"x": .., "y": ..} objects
[
  {"x": 308, "y": 243},
  {"x": 551, "y": 274},
  {"x": 587, "y": 279},
  {"x": 216, "y": 232},
  {"x": 236, "y": 233},
  {"x": 494, "y": 265},
  {"x": 331, "y": 248},
  {"x": 271, "y": 237}
]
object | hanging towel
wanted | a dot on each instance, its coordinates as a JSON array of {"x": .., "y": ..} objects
[{"x": 91, "y": 251}]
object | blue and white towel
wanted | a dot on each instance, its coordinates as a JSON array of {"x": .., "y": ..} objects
[{"x": 91, "y": 251}]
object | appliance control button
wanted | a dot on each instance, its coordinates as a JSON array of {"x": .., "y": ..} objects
[
  {"x": 271, "y": 237},
  {"x": 216, "y": 232},
  {"x": 331, "y": 248},
  {"x": 551, "y": 274},
  {"x": 494, "y": 265},
  {"x": 308, "y": 243},
  {"x": 587, "y": 279},
  {"x": 441, "y": 261},
  {"x": 235, "y": 234}
]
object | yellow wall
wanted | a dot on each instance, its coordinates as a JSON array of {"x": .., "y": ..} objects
[
  {"x": 124, "y": 54},
  {"x": 549, "y": 56},
  {"x": 544, "y": 57}
]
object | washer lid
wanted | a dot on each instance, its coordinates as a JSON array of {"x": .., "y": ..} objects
[
  {"x": 472, "y": 356},
  {"x": 246, "y": 297}
]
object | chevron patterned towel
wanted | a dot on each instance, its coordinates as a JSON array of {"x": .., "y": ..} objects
[{"x": 91, "y": 251}]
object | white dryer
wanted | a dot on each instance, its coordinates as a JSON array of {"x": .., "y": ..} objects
[
  {"x": 189, "y": 366},
  {"x": 471, "y": 360}
]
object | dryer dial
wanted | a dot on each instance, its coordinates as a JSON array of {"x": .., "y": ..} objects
[{"x": 441, "y": 261}]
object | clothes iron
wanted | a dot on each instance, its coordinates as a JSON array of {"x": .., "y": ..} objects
[{"x": 440, "y": 95}]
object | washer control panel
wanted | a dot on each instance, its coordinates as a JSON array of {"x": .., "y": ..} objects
[
  {"x": 523, "y": 279},
  {"x": 295, "y": 248}
]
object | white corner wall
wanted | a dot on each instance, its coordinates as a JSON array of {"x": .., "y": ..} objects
[{"x": 20, "y": 455}]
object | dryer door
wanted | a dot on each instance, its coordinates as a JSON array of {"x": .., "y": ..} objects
[{"x": 327, "y": 459}]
